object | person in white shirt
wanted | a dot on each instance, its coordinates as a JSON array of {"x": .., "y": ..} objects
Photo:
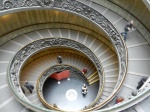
[{"x": 84, "y": 89}]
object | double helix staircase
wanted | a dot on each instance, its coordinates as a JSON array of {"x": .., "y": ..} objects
[{"x": 138, "y": 62}]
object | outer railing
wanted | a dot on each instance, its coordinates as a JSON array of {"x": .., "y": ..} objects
[
  {"x": 138, "y": 96},
  {"x": 72, "y": 6},
  {"x": 141, "y": 95}
]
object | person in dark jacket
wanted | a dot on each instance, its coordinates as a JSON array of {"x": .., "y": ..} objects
[
  {"x": 29, "y": 86},
  {"x": 140, "y": 83},
  {"x": 59, "y": 59},
  {"x": 127, "y": 28}
]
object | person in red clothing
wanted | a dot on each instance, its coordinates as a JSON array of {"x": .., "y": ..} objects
[
  {"x": 120, "y": 99},
  {"x": 84, "y": 70}
]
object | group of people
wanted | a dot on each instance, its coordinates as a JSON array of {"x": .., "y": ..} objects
[{"x": 84, "y": 90}]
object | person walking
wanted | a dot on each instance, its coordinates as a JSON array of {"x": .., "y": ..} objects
[
  {"x": 29, "y": 86},
  {"x": 59, "y": 59},
  {"x": 128, "y": 27},
  {"x": 84, "y": 70}
]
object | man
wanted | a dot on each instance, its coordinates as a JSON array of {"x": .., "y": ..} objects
[
  {"x": 127, "y": 28},
  {"x": 84, "y": 89},
  {"x": 29, "y": 86},
  {"x": 59, "y": 59}
]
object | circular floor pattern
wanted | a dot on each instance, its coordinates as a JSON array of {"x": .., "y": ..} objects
[
  {"x": 68, "y": 94},
  {"x": 71, "y": 95}
]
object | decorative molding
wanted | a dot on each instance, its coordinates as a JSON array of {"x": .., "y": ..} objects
[{"x": 32, "y": 48}]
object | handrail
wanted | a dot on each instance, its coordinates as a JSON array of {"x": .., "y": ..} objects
[
  {"x": 36, "y": 46},
  {"x": 90, "y": 14},
  {"x": 53, "y": 69},
  {"x": 21, "y": 98},
  {"x": 91, "y": 75},
  {"x": 128, "y": 103}
]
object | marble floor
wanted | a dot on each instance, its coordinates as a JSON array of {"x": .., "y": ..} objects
[{"x": 68, "y": 95}]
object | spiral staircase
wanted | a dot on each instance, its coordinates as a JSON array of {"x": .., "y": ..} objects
[{"x": 35, "y": 21}]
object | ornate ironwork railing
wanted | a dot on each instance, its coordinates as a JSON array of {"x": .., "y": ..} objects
[
  {"x": 72, "y": 6},
  {"x": 34, "y": 47},
  {"x": 56, "y": 68}
]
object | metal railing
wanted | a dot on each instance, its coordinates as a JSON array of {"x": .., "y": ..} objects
[
  {"x": 26, "y": 52},
  {"x": 77, "y": 8},
  {"x": 54, "y": 69},
  {"x": 141, "y": 95}
]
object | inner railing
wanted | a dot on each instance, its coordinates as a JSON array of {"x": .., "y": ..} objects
[
  {"x": 81, "y": 10},
  {"x": 34, "y": 47}
]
